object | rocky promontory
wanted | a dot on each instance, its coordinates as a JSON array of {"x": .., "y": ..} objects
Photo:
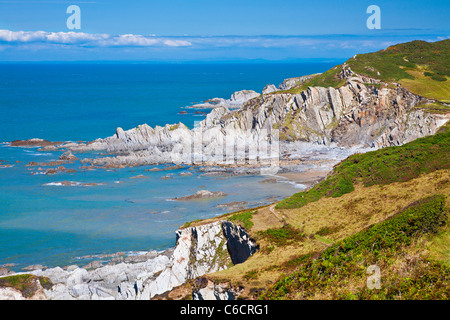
[
  {"x": 199, "y": 250},
  {"x": 362, "y": 113}
]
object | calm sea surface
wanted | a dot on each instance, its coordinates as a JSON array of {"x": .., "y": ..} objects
[{"x": 53, "y": 225}]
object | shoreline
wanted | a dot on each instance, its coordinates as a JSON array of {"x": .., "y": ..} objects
[{"x": 308, "y": 177}]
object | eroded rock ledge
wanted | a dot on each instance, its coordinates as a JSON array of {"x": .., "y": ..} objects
[
  {"x": 199, "y": 250},
  {"x": 363, "y": 113}
]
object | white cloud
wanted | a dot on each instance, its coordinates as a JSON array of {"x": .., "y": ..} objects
[
  {"x": 88, "y": 39},
  {"x": 130, "y": 40},
  {"x": 177, "y": 43},
  {"x": 272, "y": 45},
  {"x": 21, "y": 36}
]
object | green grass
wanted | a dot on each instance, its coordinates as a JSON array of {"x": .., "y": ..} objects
[
  {"x": 435, "y": 108},
  {"x": 25, "y": 283},
  {"x": 402, "y": 63},
  {"x": 282, "y": 236},
  {"x": 189, "y": 223},
  {"x": 380, "y": 167},
  {"x": 244, "y": 219},
  {"x": 325, "y": 231},
  {"x": 388, "y": 245},
  {"x": 391, "y": 64},
  {"x": 327, "y": 79}
]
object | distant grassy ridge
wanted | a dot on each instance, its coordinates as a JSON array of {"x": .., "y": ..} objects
[
  {"x": 327, "y": 79},
  {"x": 380, "y": 167},
  {"x": 391, "y": 64},
  {"x": 421, "y": 67},
  {"x": 340, "y": 271}
]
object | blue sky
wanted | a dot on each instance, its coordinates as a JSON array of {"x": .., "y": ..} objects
[{"x": 200, "y": 30}]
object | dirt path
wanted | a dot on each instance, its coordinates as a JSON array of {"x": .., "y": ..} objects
[{"x": 272, "y": 210}]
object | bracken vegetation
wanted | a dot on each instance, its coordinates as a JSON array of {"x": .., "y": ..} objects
[
  {"x": 341, "y": 269},
  {"x": 244, "y": 219},
  {"x": 421, "y": 67},
  {"x": 380, "y": 167},
  {"x": 391, "y": 64},
  {"x": 282, "y": 236}
]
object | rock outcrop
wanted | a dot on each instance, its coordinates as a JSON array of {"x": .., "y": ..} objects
[
  {"x": 236, "y": 100},
  {"x": 208, "y": 290},
  {"x": 201, "y": 194},
  {"x": 363, "y": 113},
  {"x": 199, "y": 250}
]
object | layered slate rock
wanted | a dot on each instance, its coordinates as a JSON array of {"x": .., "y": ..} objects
[
  {"x": 362, "y": 113},
  {"x": 199, "y": 250}
]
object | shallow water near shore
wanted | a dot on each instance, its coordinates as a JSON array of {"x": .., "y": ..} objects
[{"x": 42, "y": 222}]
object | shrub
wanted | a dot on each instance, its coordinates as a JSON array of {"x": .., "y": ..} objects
[
  {"x": 282, "y": 236},
  {"x": 437, "y": 77},
  {"x": 244, "y": 219},
  {"x": 382, "y": 244},
  {"x": 380, "y": 167}
]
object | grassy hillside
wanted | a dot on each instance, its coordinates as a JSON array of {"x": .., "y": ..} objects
[
  {"x": 391, "y": 245},
  {"x": 388, "y": 165},
  {"x": 421, "y": 67},
  {"x": 388, "y": 208}
]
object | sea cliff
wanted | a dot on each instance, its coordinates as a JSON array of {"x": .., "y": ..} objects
[{"x": 199, "y": 250}]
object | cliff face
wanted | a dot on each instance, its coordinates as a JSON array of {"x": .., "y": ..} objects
[
  {"x": 356, "y": 114},
  {"x": 362, "y": 113},
  {"x": 199, "y": 250}
]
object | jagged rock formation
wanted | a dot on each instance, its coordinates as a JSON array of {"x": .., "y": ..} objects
[
  {"x": 362, "y": 113},
  {"x": 201, "y": 194},
  {"x": 293, "y": 82},
  {"x": 200, "y": 250},
  {"x": 208, "y": 290},
  {"x": 236, "y": 100}
]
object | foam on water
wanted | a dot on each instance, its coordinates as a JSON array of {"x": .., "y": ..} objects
[{"x": 41, "y": 222}]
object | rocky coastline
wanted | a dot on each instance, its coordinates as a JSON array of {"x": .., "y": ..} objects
[
  {"x": 359, "y": 115},
  {"x": 315, "y": 129},
  {"x": 199, "y": 250}
]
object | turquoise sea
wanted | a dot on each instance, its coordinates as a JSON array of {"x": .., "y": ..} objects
[{"x": 55, "y": 225}]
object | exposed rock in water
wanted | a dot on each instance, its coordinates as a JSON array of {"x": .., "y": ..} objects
[
  {"x": 141, "y": 176},
  {"x": 46, "y": 164},
  {"x": 68, "y": 156},
  {"x": 55, "y": 170},
  {"x": 362, "y": 113},
  {"x": 201, "y": 194},
  {"x": 4, "y": 271},
  {"x": 35, "y": 142},
  {"x": 34, "y": 267},
  {"x": 271, "y": 180},
  {"x": 168, "y": 168},
  {"x": 236, "y": 205},
  {"x": 93, "y": 265},
  {"x": 74, "y": 184}
]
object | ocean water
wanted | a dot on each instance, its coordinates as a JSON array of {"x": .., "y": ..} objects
[{"x": 44, "y": 223}]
